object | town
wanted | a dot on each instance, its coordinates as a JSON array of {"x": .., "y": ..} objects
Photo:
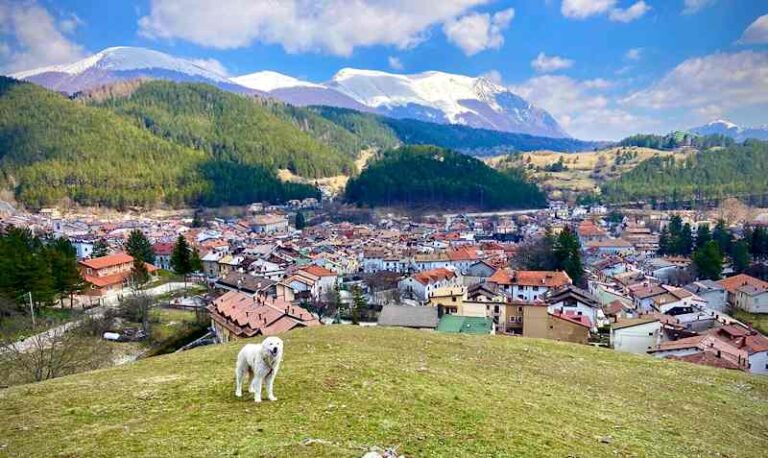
[{"x": 667, "y": 284}]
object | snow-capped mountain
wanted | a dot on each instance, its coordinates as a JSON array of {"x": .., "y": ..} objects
[
  {"x": 124, "y": 63},
  {"x": 738, "y": 133},
  {"x": 297, "y": 92},
  {"x": 446, "y": 98},
  {"x": 429, "y": 96}
]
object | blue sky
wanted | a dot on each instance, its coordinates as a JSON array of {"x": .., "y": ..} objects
[{"x": 603, "y": 68}]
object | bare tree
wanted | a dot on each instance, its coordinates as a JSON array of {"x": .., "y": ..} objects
[{"x": 59, "y": 351}]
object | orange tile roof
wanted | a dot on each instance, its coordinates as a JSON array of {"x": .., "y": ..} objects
[
  {"x": 737, "y": 281},
  {"x": 107, "y": 261},
  {"x": 249, "y": 316},
  {"x": 434, "y": 275},
  {"x": 318, "y": 271},
  {"x": 507, "y": 276}
]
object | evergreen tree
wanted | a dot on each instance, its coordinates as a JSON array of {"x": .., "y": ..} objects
[
  {"x": 664, "y": 242},
  {"x": 703, "y": 235},
  {"x": 686, "y": 240},
  {"x": 197, "y": 220},
  {"x": 100, "y": 248},
  {"x": 195, "y": 262},
  {"x": 300, "y": 221},
  {"x": 708, "y": 261},
  {"x": 358, "y": 304},
  {"x": 567, "y": 253},
  {"x": 64, "y": 267},
  {"x": 723, "y": 238},
  {"x": 181, "y": 257},
  {"x": 139, "y": 275},
  {"x": 139, "y": 247},
  {"x": 740, "y": 256}
]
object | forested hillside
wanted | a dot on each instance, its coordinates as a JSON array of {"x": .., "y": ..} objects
[
  {"x": 434, "y": 177},
  {"x": 233, "y": 127},
  {"x": 676, "y": 140},
  {"x": 387, "y": 132},
  {"x": 716, "y": 172},
  {"x": 53, "y": 148}
]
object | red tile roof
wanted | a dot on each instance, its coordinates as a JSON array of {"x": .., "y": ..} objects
[
  {"x": 163, "y": 249},
  {"x": 248, "y": 316},
  {"x": 737, "y": 281},
  {"x": 551, "y": 279},
  {"x": 107, "y": 261},
  {"x": 434, "y": 275},
  {"x": 707, "y": 358},
  {"x": 318, "y": 271}
]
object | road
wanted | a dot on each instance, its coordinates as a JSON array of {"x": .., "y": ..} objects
[{"x": 98, "y": 311}]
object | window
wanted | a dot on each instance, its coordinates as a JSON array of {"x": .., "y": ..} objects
[{"x": 650, "y": 334}]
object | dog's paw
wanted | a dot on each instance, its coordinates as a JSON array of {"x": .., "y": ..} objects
[
  {"x": 272, "y": 398},
  {"x": 251, "y": 390},
  {"x": 239, "y": 394},
  {"x": 257, "y": 400}
]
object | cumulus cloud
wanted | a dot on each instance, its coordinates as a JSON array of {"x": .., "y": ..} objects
[
  {"x": 394, "y": 63},
  {"x": 32, "y": 38},
  {"x": 213, "y": 65},
  {"x": 477, "y": 32},
  {"x": 545, "y": 64},
  {"x": 634, "y": 54},
  {"x": 694, "y": 6},
  {"x": 580, "y": 107},
  {"x": 635, "y": 11},
  {"x": 725, "y": 80},
  {"x": 757, "y": 32},
  {"x": 582, "y": 9},
  {"x": 334, "y": 26}
]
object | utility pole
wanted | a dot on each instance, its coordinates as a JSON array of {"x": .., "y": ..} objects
[{"x": 31, "y": 307}]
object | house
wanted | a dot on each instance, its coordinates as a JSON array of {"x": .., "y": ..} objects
[
  {"x": 449, "y": 300},
  {"x": 572, "y": 301},
  {"x": 420, "y": 286},
  {"x": 319, "y": 281},
  {"x": 636, "y": 335},
  {"x": 455, "y": 324},
  {"x": 406, "y": 316},
  {"x": 711, "y": 292},
  {"x": 163, "y": 252},
  {"x": 642, "y": 295},
  {"x": 211, "y": 263},
  {"x": 269, "y": 224},
  {"x": 236, "y": 315},
  {"x": 528, "y": 285},
  {"x": 83, "y": 247},
  {"x": 253, "y": 286},
  {"x": 738, "y": 296},
  {"x": 109, "y": 274},
  {"x": 588, "y": 231},
  {"x": 267, "y": 269}
]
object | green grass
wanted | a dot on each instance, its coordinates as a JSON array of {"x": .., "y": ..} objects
[
  {"x": 428, "y": 394},
  {"x": 168, "y": 322},
  {"x": 758, "y": 321}
]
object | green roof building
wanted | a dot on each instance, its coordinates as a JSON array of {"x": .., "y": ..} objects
[{"x": 455, "y": 324}]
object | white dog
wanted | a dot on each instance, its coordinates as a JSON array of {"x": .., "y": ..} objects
[{"x": 261, "y": 361}]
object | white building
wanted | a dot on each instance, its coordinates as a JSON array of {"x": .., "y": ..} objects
[{"x": 636, "y": 335}]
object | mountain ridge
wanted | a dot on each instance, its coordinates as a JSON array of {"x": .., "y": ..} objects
[{"x": 730, "y": 129}]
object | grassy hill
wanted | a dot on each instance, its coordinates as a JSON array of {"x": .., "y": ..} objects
[
  {"x": 585, "y": 172},
  {"x": 428, "y": 394}
]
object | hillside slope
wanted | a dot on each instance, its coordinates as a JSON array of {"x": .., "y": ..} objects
[{"x": 428, "y": 394}]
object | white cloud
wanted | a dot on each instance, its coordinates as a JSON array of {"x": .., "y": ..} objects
[
  {"x": 70, "y": 24},
  {"x": 634, "y": 54},
  {"x": 580, "y": 107},
  {"x": 212, "y": 65},
  {"x": 545, "y": 64},
  {"x": 694, "y": 6},
  {"x": 636, "y": 11},
  {"x": 757, "y": 32},
  {"x": 333, "y": 26},
  {"x": 724, "y": 80},
  {"x": 477, "y": 32},
  {"x": 31, "y": 38},
  {"x": 394, "y": 63},
  {"x": 494, "y": 76},
  {"x": 582, "y": 9}
]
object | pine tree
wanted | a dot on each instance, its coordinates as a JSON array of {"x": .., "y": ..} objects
[
  {"x": 181, "y": 258},
  {"x": 664, "y": 242},
  {"x": 708, "y": 261},
  {"x": 723, "y": 238},
  {"x": 703, "y": 235},
  {"x": 567, "y": 253},
  {"x": 685, "y": 242},
  {"x": 100, "y": 248},
  {"x": 195, "y": 262},
  {"x": 300, "y": 221},
  {"x": 358, "y": 304},
  {"x": 140, "y": 275},
  {"x": 139, "y": 247},
  {"x": 740, "y": 256}
]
